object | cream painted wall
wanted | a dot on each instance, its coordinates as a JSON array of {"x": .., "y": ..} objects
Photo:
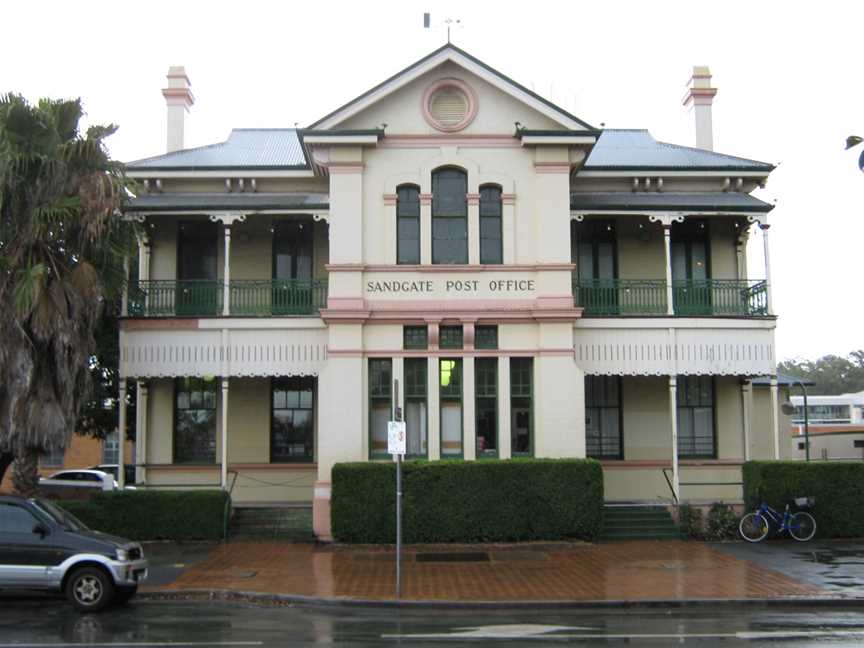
[
  {"x": 401, "y": 111},
  {"x": 640, "y": 249},
  {"x": 249, "y": 420},
  {"x": 724, "y": 262}
]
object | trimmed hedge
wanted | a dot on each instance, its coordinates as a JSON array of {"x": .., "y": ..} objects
[
  {"x": 468, "y": 501},
  {"x": 836, "y": 485},
  {"x": 154, "y": 515}
]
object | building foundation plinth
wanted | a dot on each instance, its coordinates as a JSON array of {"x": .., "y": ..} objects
[{"x": 321, "y": 512}]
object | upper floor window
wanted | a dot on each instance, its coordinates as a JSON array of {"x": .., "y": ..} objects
[
  {"x": 449, "y": 216},
  {"x": 491, "y": 248},
  {"x": 592, "y": 249},
  {"x": 408, "y": 224}
]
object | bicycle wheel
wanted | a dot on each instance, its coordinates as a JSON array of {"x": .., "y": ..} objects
[
  {"x": 802, "y": 527},
  {"x": 753, "y": 527}
]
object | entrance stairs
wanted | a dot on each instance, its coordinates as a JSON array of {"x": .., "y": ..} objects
[
  {"x": 638, "y": 522},
  {"x": 286, "y": 523}
]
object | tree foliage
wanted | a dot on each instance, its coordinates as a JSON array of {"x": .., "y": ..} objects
[
  {"x": 831, "y": 374},
  {"x": 62, "y": 250}
]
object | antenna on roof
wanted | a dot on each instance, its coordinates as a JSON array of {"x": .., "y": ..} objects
[{"x": 449, "y": 22}]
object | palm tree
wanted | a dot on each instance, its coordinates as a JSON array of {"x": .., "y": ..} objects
[{"x": 62, "y": 251}]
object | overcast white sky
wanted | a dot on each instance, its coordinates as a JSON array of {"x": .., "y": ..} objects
[{"x": 789, "y": 76}]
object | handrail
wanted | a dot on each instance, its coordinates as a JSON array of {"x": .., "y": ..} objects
[
  {"x": 669, "y": 483},
  {"x": 227, "y": 512}
]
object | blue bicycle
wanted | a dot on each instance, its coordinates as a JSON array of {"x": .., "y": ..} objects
[{"x": 800, "y": 525}]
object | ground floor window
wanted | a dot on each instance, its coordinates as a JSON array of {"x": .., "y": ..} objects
[
  {"x": 603, "y": 417},
  {"x": 416, "y": 415},
  {"x": 292, "y": 422},
  {"x": 521, "y": 403},
  {"x": 195, "y": 420},
  {"x": 450, "y": 384},
  {"x": 486, "y": 406},
  {"x": 380, "y": 404},
  {"x": 695, "y": 397}
]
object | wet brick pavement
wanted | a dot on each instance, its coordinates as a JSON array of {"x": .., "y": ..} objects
[{"x": 637, "y": 570}]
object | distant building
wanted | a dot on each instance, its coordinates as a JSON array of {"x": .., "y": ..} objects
[{"x": 836, "y": 426}]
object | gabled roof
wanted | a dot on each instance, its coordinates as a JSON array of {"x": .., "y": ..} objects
[
  {"x": 450, "y": 52},
  {"x": 636, "y": 149},
  {"x": 256, "y": 148}
]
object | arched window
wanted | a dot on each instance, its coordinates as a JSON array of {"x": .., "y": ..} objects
[
  {"x": 491, "y": 247},
  {"x": 408, "y": 224},
  {"x": 449, "y": 216}
]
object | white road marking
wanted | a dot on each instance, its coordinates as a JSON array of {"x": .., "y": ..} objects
[{"x": 558, "y": 633}]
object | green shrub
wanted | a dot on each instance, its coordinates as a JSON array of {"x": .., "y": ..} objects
[
  {"x": 690, "y": 522},
  {"x": 836, "y": 485},
  {"x": 721, "y": 523},
  {"x": 154, "y": 515},
  {"x": 468, "y": 501}
]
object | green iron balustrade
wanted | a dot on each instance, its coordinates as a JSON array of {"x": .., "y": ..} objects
[
  {"x": 621, "y": 296},
  {"x": 695, "y": 298},
  {"x": 264, "y": 297},
  {"x": 204, "y": 298}
]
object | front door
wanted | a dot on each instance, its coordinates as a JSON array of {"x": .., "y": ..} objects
[
  {"x": 691, "y": 268},
  {"x": 198, "y": 291},
  {"x": 292, "y": 268}
]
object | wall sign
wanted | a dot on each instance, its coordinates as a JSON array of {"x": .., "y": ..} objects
[{"x": 443, "y": 287}]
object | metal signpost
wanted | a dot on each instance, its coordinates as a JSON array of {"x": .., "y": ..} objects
[{"x": 396, "y": 446}]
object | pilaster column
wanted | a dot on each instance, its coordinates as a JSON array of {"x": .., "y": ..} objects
[
  {"x": 775, "y": 419},
  {"x": 121, "y": 432},
  {"x": 433, "y": 440},
  {"x": 473, "y": 228},
  {"x": 226, "y": 274},
  {"x": 673, "y": 418},
  {"x": 425, "y": 228},
  {"x": 141, "y": 431},
  {"x": 747, "y": 413},
  {"x": 224, "y": 431},
  {"x": 768, "y": 289},
  {"x": 469, "y": 420},
  {"x": 390, "y": 228},
  {"x": 508, "y": 227},
  {"x": 504, "y": 442}
]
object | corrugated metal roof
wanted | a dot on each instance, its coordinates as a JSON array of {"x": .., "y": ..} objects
[
  {"x": 629, "y": 201},
  {"x": 227, "y": 201},
  {"x": 631, "y": 149},
  {"x": 782, "y": 379},
  {"x": 245, "y": 147}
]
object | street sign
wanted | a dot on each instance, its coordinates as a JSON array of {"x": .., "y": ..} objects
[{"x": 396, "y": 437}]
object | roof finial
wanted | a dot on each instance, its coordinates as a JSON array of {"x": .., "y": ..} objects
[{"x": 451, "y": 21}]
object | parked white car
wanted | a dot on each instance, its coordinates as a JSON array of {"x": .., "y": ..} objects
[{"x": 81, "y": 479}]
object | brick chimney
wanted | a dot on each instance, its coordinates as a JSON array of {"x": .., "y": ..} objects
[
  {"x": 701, "y": 95},
  {"x": 178, "y": 99}
]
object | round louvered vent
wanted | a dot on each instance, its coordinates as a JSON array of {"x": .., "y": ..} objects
[{"x": 449, "y": 105}]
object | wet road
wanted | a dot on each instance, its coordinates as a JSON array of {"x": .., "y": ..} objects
[{"x": 152, "y": 624}]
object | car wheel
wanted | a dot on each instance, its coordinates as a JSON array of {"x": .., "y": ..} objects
[
  {"x": 90, "y": 589},
  {"x": 123, "y": 594}
]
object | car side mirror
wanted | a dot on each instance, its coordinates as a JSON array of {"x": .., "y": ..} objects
[{"x": 40, "y": 529}]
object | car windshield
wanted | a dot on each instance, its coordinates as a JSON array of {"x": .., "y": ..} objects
[{"x": 61, "y": 517}]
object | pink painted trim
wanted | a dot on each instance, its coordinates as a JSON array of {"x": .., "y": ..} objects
[
  {"x": 436, "y": 141},
  {"x": 390, "y": 199},
  {"x": 473, "y": 199},
  {"x": 508, "y": 199},
  {"x": 468, "y": 336},
  {"x": 445, "y": 353},
  {"x": 551, "y": 167},
  {"x": 462, "y": 268},
  {"x": 433, "y": 335},
  {"x": 425, "y": 198},
  {"x": 470, "y": 96},
  {"x": 159, "y": 324},
  {"x": 346, "y": 303},
  {"x": 554, "y": 301}
]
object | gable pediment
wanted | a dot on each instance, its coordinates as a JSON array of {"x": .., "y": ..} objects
[{"x": 450, "y": 91}]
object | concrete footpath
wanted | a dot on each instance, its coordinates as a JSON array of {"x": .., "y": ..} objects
[{"x": 531, "y": 573}]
